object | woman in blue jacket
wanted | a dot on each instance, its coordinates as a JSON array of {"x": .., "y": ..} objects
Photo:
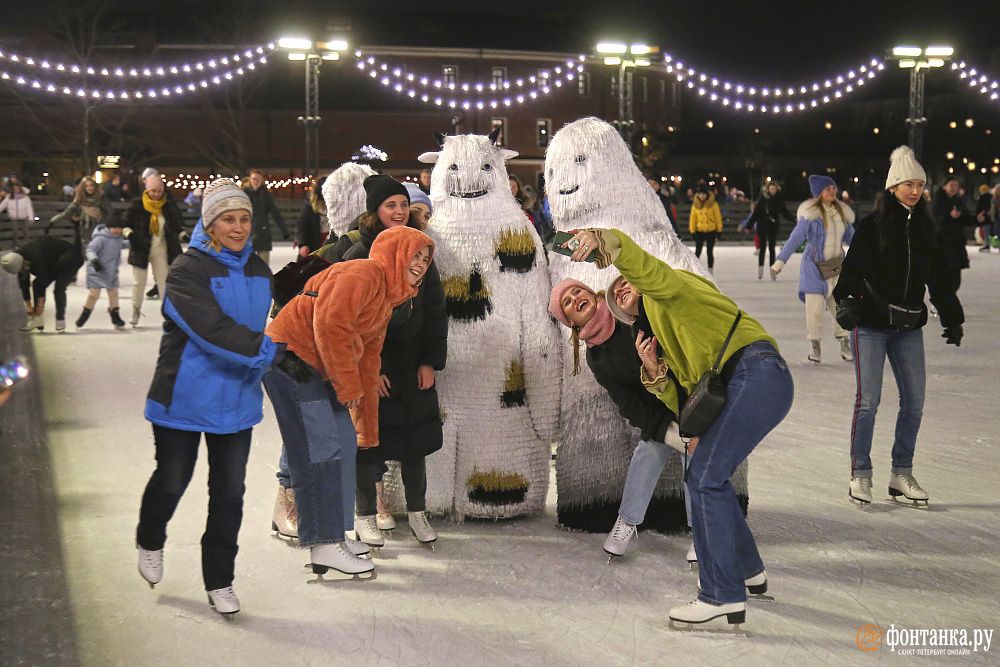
[
  {"x": 826, "y": 224},
  {"x": 213, "y": 355}
]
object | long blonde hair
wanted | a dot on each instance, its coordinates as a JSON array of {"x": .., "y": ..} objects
[{"x": 822, "y": 210}]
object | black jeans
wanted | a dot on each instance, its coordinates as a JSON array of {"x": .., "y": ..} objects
[
  {"x": 176, "y": 454},
  {"x": 414, "y": 474},
  {"x": 769, "y": 235},
  {"x": 708, "y": 239}
]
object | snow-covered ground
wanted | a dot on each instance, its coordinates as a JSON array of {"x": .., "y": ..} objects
[{"x": 523, "y": 592}]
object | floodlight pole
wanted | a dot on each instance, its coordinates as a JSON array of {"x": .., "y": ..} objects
[
  {"x": 312, "y": 119},
  {"x": 916, "y": 120}
]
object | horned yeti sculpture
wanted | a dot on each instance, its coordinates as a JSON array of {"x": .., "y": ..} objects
[
  {"x": 592, "y": 181},
  {"x": 500, "y": 391}
]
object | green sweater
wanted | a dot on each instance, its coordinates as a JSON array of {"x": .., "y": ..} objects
[{"x": 689, "y": 315}]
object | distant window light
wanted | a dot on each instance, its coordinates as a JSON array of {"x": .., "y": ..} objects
[
  {"x": 502, "y": 124},
  {"x": 614, "y": 85},
  {"x": 450, "y": 76},
  {"x": 499, "y": 76},
  {"x": 583, "y": 83},
  {"x": 543, "y": 132}
]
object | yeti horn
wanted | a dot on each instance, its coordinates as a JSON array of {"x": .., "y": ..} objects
[
  {"x": 494, "y": 135},
  {"x": 439, "y": 138}
]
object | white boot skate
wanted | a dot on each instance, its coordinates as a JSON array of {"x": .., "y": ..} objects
[
  {"x": 367, "y": 529},
  {"x": 756, "y": 587},
  {"x": 814, "y": 356},
  {"x": 845, "y": 350},
  {"x": 860, "y": 491},
  {"x": 136, "y": 314},
  {"x": 61, "y": 326},
  {"x": 906, "y": 486},
  {"x": 421, "y": 528},
  {"x": 384, "y": 518},
  {"x": 692, "y": 557},
  {"x": 224, "y": 601},
  {"x": 697, "y": 612},
  {"x": 618, "y": 539},
  {"x": 760, "y": 272},
  {"x": 338, "y": 557},
  {"x": 151, "y": 565},
  {"x": 355, "y": 547},
  {"x": 285, "y": 519},
  {"x": 34, "y": 322}
]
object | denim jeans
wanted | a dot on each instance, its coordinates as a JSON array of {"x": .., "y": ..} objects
[
  {"x": 176, "y": 454},
  {"x": 648, "y": 461},
  {"x": 320, "y": 443},
  {"x": 414, "y": 475},
  {"x": 758, "y": 397},
  {"x": 905, "y": 350}
]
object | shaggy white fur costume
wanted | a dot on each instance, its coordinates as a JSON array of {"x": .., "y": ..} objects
[
  {"x": 344, "y": 194},
  {"x": 500, "y": 391},
  {"x": 592, "y": 181}
]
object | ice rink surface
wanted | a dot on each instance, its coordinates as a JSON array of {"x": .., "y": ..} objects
[{"x": 524, "y": 592}]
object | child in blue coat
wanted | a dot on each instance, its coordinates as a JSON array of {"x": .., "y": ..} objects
[{"x": 104, "y": 255}]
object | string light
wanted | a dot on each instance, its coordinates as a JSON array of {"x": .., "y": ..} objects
[
  {"x": 164, "y": 72},
  {"x": 162, "y": 89},
  {"x": 192, "y": 181},
  {"x": 985, "y": 84},
  {"x": 436, "y": 92}
]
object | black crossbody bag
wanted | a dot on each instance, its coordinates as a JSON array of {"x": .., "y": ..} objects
[{"x": 706, "y": 400}]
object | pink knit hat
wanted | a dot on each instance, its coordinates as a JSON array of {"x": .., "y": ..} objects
[{"x": 555, "y": 309}]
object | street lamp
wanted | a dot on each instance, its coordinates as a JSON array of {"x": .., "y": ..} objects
[
  {"x": 635, "y": 55},
  {"x": 919, "y": 59},
  {"x": 304, "y": 49}
]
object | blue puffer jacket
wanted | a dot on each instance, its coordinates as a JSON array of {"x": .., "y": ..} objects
[
  {"x": 106, "y": 248},
  {"x": 213, "y": 352},
  {"x": 810, "y": 228}
]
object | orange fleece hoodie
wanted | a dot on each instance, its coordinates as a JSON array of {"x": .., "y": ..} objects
[{"x": 337, "y": 325}]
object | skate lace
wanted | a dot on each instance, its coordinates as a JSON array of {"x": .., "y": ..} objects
[
  {"x": 865, "y": 483},
  {"x": 622, "y": 531},
  {"x": 151, "y": 558},
  {"x": 371, "y": 523},
  {"x": 291, "y": 514},
  {"x": 910, "y": 483},
  {"x": 226, "y": 594},
  {"x": 421, "y": 520}
]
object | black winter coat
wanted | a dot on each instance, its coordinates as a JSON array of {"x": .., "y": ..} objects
[
  {"x": 409, "y": 419},
  {"x": 308, "y": 232},
  {"x": 264, "y": 208},
  {"x": 50, "y": 259},
  {"x": 899, "y": 272},
  {"x": 951, "y": 231},
  {"x": 137, "y": 219},
  {"x": 767, "y": 214},
  {"x": 616, "y": 364}
]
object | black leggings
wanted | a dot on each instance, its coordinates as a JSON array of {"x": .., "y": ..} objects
[
  {"x": 414, "y": 474},
  {"x": 708, "y": 239},
  {"x": 770, "y": 236}
]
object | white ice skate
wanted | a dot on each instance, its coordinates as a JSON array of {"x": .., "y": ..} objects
[
  {"x": 34, "y": 322},
  {"x": 815, "y": 355},
  {"x": 224, "y": 601},
  {"x": 61, "y": 326},
  {"x": 906, "y": 486},
  {"x": 285, "y": 519},
  {"x": 860, "y": 492},
  {"x": 421, "y": 528},
  {"x": 355, "y": 547},
  {"x": 151, "y": 565},
  {"x": 338, "y": 557},
  {"x": 845, "y": 350},
  {"x": 619, "y": 538},
  {"x": 756, "y": 587},
  {"x": 367, "y": 529},
  {"x": 698, "y": 612},
  {"x": 692, "y": 557}
]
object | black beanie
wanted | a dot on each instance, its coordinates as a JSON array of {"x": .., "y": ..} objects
[{"x": 380, "y": 187}]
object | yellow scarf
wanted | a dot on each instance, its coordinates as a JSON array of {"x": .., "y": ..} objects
[{"x": 154, "y": 206}]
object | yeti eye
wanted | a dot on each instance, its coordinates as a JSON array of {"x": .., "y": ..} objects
[
  {"x": 487, "y": 167},
  {"x": 580, "y": 159},
  {"x": 453, "y": 167}
]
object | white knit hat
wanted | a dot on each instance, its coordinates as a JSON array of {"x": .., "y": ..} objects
[
  {"x": 903, "y": 166},
  {"x": 222, "y": 195},
  {"x": 12, "y": 262},
  {"x": 147, "y": 172}
]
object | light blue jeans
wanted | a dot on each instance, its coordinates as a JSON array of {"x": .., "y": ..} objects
[
  {"x": 758, "y": 397},
  {"x": 648, "y": 461},
  {"x": 320, "y": 445},
  {"x": 905, "y": 350}
]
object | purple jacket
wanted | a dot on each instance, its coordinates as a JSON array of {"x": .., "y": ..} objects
[{"x": 810, "y": 229}]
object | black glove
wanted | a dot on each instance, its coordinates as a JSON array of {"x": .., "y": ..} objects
[
  {"x": 847, "y": 313},
  {"x": 96, "y": 263},
  {"x": 299, "y": 370},
  {"x": 953, "y": 335}
]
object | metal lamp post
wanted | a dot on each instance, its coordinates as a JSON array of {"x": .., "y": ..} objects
[
  {"x": 919, "y": 59},
  {"x": 625, "y": 57},
  {"x": 303, "y": 49}
]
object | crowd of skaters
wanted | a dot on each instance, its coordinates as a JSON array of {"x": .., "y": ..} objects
[{"x": 286, "y": 356}]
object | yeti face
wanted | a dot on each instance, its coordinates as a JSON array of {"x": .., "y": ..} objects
[
  {"x": 469, "y": 168},
  {"x": 586, "y": 164}
]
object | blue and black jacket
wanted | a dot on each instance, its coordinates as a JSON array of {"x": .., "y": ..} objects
[{"x": 213, "y": 353}]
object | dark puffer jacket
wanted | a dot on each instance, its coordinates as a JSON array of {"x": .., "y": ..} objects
[
  {"x": 264, "y": 209},
  {"x": 137, "y": 219},
  {"x": 898, "y": 270}
]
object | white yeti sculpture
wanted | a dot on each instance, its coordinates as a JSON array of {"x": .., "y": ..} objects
[
  {"x": 344, "y": 194},
  {"x": 592, "y": 181},
  {"x": 500, "y": 390}
]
